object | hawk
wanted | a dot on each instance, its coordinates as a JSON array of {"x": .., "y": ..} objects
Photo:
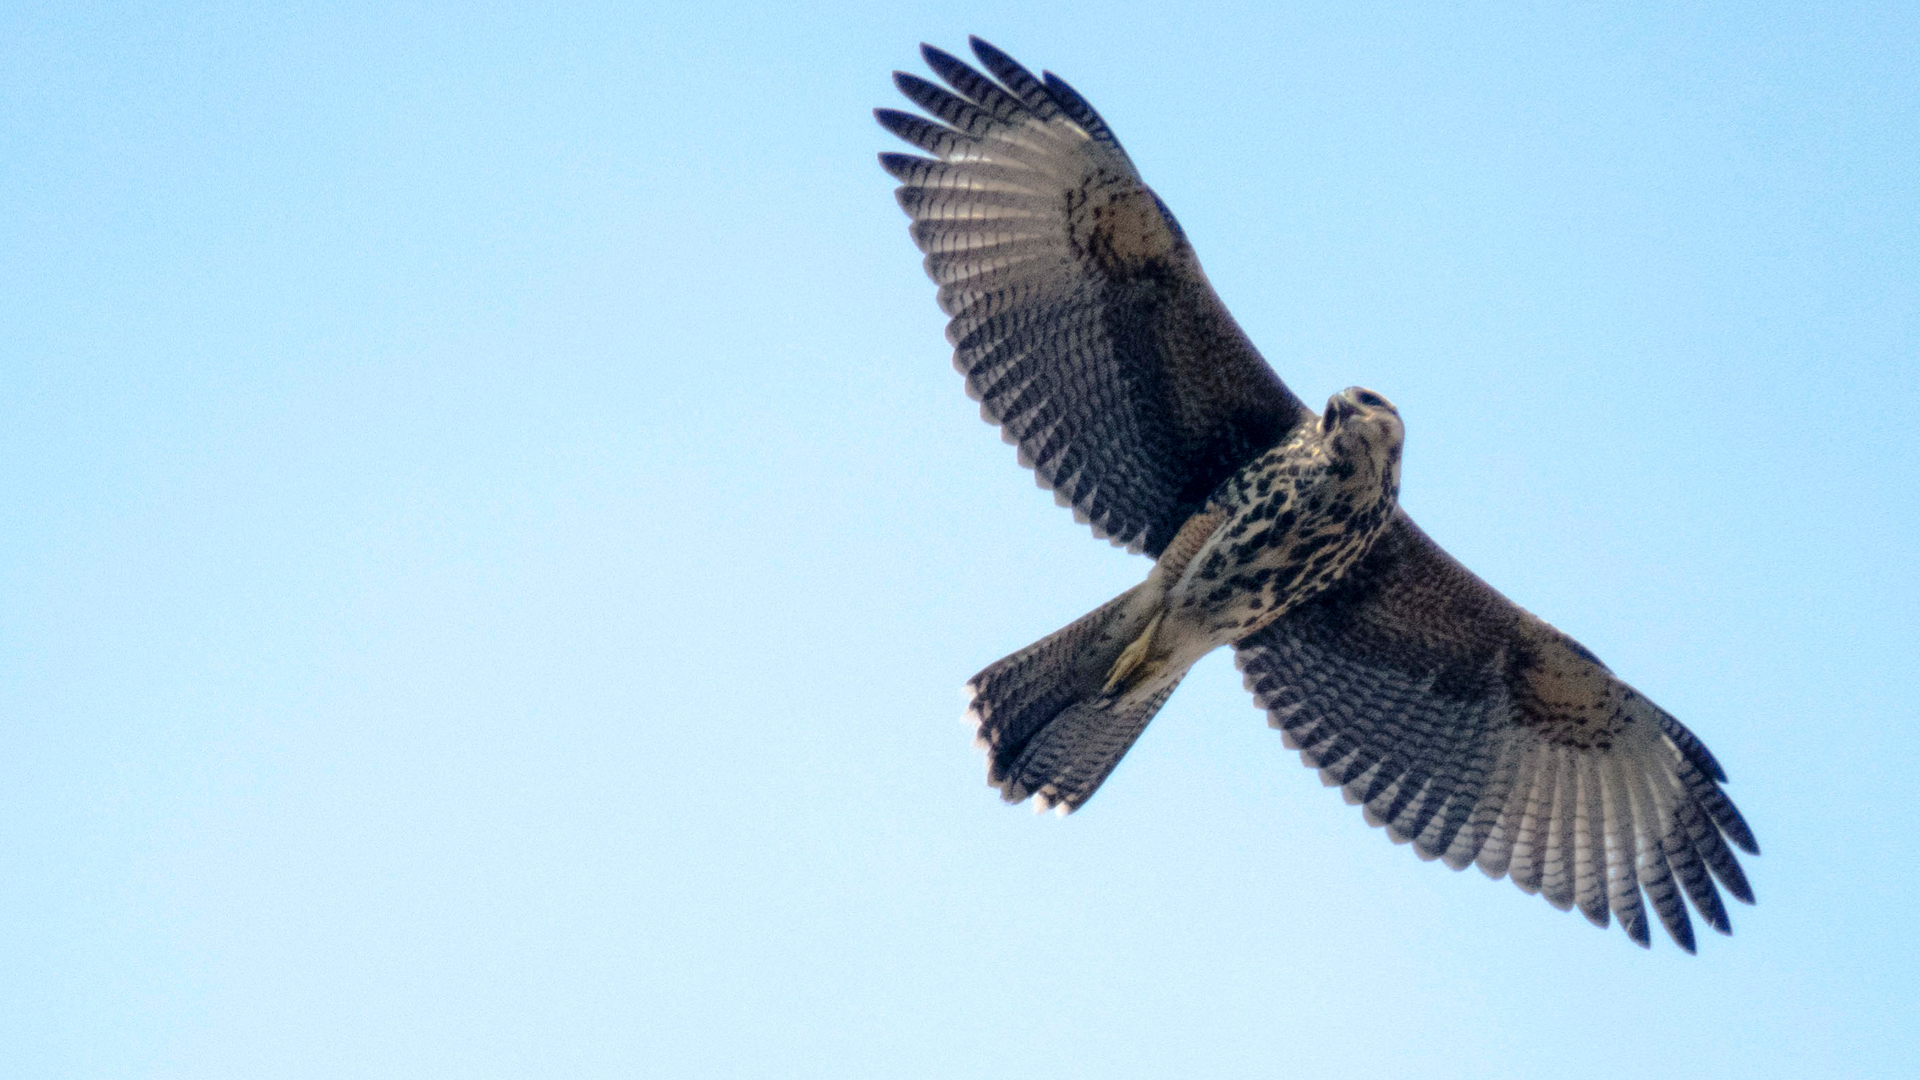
[{"x": 1465, "y": 725}]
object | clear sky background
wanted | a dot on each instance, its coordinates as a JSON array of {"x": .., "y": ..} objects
[{"x": 493, "y": 540}]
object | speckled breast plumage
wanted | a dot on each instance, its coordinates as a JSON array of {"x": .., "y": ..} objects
[{"x": 1293, "y": 520}]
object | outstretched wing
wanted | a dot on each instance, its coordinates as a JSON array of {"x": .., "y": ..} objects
[
  {"x": 1479, "y": 733},
  {"x": 1080, "y": 317}
]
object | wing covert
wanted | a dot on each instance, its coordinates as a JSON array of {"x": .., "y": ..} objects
[
  {"x": 1079, "y": 315},
  {"x": 1480, "y": 734}
]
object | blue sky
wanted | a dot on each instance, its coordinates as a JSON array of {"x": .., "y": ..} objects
[{"x": 495, "y": 540}]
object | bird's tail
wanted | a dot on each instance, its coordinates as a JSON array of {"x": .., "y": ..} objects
[{"x": 1058, "y": 715}]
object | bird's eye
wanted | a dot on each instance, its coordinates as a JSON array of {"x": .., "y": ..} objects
[{"x": 1370, "y": 399}]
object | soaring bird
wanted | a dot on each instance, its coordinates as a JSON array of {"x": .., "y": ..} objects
[{"x": 1465, "y": 725}]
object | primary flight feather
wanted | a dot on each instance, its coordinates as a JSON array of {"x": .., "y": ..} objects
[{"x": 1460, "y": 722}]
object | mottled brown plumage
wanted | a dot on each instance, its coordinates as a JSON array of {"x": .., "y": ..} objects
[
  {"x": 1464, "y": 725},
  {"x": 1057, "y": 716}
]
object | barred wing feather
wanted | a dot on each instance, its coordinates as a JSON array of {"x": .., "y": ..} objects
[
  {"x": 1079, "y": 315},
  {"x": 1480, "y": 734}
]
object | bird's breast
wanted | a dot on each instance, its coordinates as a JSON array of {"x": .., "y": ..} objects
[{"x": 1287, "y": 530}]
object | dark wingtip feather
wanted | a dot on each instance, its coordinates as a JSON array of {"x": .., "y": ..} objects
[
  {"x": 1732, "y": 878},
  {"x": 904, "y": 167},
  {"x": 917, "y": 130},
  {"x": 1679, "y": 926},
  {"x": 1017, "y": 80},
  {"x": 1735, "y": 826},
  {"x": 1691, "y": 747},
  {"x": 1635, "y": 924},
  {"x": 936, "y": 57},
  {"x": 915, "y": 87},
  {"x": 1064, "y": 96},
  {"x": 957, "y": 72},
  {"x": 894, "y": 120},
  {"x": 1077, "y": 107},
  {"x": 991, "y": 56}
]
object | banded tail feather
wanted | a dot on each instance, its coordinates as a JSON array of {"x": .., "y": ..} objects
[{"x": 1054, "y": 717}]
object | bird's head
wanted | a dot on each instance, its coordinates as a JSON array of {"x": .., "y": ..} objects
[{"x": 1365, "y": 427}]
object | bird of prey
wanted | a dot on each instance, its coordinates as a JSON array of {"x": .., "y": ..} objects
[{"x": 1465, "y": 725}]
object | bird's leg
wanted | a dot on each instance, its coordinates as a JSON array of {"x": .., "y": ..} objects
[
  {"x": 1133, "y": 666},
  {"x": 1122, "y": 677}
]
